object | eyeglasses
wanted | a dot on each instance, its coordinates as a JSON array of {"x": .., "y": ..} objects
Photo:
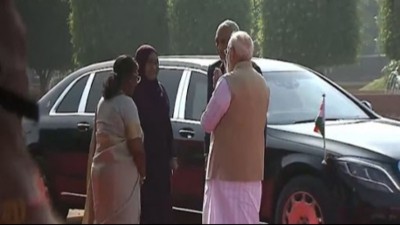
[{"x": 19, "y": 105}]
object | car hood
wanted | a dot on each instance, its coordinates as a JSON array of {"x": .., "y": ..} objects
[{"x": 381, "y": 136}]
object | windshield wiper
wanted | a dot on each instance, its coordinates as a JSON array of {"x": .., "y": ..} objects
[{"x": 313, "y": 120}]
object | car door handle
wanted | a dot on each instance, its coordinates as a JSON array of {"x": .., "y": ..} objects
[
  {"x": 187, "y": 133},
  {"x": 83, "y": 127}
]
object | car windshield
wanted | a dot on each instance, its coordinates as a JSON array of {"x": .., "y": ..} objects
[{"x": 296, "y": 97}]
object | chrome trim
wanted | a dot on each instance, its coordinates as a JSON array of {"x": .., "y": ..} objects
[
  {"x": 182, "y": 103},
  {"x": 371, "y": 165},
  {"x": 64, "y": 93},
  {"x": 187, "y": 210},
  {"x": 61, "y": 97},
  {"x": 73, "y": 114},
  {"x": 179, "y": 94},
  {"x": 195, "y": 122},
  {"x": 85, "y": 93},
  {"x": 199, "y": 71},
  {"x": 70, "y": 194},
  {"x": 174, "y": 67}
]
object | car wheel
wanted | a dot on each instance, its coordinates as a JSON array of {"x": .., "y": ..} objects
[{"x": 306, "y": 200}]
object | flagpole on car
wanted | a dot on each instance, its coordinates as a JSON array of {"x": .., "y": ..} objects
[
  {"x": 320, "y": 127},
  {"x": 324, "y": 161}
]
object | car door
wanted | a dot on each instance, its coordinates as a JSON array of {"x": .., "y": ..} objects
[
  {"x": 60, "y": 131},
  {"x": 188, "y": 180},
  {"x": 170, "y": 78},
  {"x": 64, "y": 138}
]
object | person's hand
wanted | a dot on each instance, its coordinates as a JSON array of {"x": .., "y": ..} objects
[
  {"x": 174, "y": 164},
  {"x": 216, "y": 76}
]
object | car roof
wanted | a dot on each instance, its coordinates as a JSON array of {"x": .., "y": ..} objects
[
  {"x": 202, "y": 62},
  {"x": 266, "y": 65}
]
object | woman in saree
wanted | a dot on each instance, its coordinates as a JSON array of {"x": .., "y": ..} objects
[{"x": 118, "y": 162}]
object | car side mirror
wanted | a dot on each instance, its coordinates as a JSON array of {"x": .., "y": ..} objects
[{"x": 367, "y": 103}]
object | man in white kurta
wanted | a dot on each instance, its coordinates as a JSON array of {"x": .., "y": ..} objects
[{"x": 236, "y": 118}]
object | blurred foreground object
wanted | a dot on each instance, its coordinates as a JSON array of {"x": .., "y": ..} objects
[{"x": 22, "y": 192}]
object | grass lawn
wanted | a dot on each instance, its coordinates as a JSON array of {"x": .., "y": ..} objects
[{"x": 376, "y": 85}]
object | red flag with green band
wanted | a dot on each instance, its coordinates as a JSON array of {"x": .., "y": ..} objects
[{"x": 320, "y": 120}]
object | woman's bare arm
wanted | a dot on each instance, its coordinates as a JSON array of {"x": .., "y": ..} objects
[{"x": 139, "y": 157}]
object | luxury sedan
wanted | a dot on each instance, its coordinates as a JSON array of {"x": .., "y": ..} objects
[{"x": 359, "y": 181}]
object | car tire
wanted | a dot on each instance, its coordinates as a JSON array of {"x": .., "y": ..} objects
[{"x": 306, "y": 200}]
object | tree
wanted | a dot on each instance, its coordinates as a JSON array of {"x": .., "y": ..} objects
[
  {"x": 257, "y": 26},
  {"x": 104, "y": 29},
  {"x": 389, "y": 28},
  {"x": 48, "y": 38},
  {"x": 389, "y": 21},
  {"x": 193, "y": 23},
  {"x": 369, "y": 32},
  {"x": 314, "y": 33}
]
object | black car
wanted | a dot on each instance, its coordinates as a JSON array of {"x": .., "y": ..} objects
[{"x": 360, "y": 181}]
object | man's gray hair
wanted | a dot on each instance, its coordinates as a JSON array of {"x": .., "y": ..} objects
[
  {"x": 243, "y": 45},
  {"x": 229, "y": 24}
]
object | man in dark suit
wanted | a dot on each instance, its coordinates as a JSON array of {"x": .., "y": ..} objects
[{"x": 222, "y": 36}]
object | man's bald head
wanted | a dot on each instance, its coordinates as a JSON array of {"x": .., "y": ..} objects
[
  {"x": 240, "y": 49},
  {"x": 223, "y": 34},
  {"x": 242, "y": 44}
]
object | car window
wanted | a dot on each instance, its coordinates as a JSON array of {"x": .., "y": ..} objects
[
  {"x": 196, "y": 99},
  {"x": 170, "y": 79},
  {"x": 96, "y": 90},
  {"x": 70, "y": 103},
  {"x": 297, "y": 95}
]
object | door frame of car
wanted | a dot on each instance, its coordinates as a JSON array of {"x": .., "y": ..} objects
[
  {"x": 179, "y": 106},
  {"x": 179, "y": 114}
]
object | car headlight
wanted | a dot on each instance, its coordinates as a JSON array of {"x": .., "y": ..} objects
[{"x": 370, "y": 174}]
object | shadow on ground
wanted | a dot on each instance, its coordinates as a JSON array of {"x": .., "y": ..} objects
[{"x": 75, "y": 217}]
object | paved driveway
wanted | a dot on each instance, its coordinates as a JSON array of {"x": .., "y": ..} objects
[{"x": 75, "y": 217}]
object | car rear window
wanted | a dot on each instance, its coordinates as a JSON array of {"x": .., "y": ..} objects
[{"x": 71, "y": 100}]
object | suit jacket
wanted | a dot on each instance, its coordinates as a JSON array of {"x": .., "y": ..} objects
[{"x": 210, "y": 90}]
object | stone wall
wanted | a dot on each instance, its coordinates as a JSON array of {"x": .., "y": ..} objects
[{"x": 387, "y": 105}]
